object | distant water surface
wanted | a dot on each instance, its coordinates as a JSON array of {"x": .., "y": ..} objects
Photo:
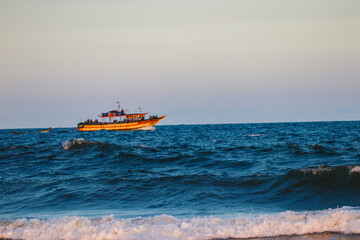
[{"x": 182, "y": 182}]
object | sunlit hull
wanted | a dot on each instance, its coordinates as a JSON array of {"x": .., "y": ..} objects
[{"x": 120, "y": 126}]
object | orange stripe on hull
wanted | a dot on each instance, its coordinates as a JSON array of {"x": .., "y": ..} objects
[{"x": 118, "y": 126}]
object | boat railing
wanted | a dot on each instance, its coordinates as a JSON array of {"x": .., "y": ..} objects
[{"x": 129, "y": 120}]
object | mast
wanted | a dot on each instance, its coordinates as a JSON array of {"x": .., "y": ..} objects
[{"x": 118, "y": 102}]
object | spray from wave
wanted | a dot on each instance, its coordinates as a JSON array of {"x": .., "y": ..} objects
[{"x": 344, "y": 220}]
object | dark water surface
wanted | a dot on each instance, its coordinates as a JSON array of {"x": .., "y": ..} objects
[{"x": 181, "y": 182}]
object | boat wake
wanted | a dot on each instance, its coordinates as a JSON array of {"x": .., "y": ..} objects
[{"x": 147, "y": 128}]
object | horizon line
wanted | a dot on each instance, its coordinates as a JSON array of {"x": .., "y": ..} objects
[{"x": 192, "y": 124}]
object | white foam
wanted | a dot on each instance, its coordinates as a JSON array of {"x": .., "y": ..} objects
[
  {"x": 355, "y": 169},
  {"x": 321, "y": 169},
  {"x": 254, "y": 135},
  {"x": 344, "y": 220},
  {"x": 316, "y": 171},
  {"x": 71, "y": 142},
  {"x": 147, "y": 128}
]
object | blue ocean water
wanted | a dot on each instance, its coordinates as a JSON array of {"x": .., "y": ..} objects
[{"x": 181, "y": 182}]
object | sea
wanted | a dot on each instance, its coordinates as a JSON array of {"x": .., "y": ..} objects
[{"x": 223, "y": 181}]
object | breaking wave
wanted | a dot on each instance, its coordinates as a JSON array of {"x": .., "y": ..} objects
[
  {"x": 78, "y": 143},
  {"x": 344, "y": 170},
  {"x": 343, "y": 220}
]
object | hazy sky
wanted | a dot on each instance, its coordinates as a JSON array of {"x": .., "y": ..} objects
[{"x": 198, "y": 61}]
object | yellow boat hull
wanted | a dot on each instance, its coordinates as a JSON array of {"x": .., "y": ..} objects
[{"x": 119, "y": 126}]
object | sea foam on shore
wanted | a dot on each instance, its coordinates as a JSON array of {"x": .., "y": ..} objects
[{"x": 343, "y": 220}]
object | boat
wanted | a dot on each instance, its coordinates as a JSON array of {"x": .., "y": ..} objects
[
  {"x": 42, "y": 131},
  {"x": 120, "y": 120},
  {"x": 47, "y": 130}
]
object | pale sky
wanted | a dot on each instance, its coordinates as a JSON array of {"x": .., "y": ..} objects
[{"x": 197, "y": 61}]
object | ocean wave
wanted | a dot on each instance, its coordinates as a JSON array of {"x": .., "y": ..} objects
[
  {"x": 333, "y": 184},
  {"x": 330, "y": 170},
  {"x": 15, "y": 148},
  {"x": 21, "y": 147},
  {"x": 315, "y": 149},
  {"x": 73, "y": 142},
  {"x": 344, "y": 220},
  {"x": 319, "y": 149},
  {"x": 81, "y": 143}
]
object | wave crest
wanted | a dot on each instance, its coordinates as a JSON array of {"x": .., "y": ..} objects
[
  {"x": 74, "y": 143},
  {"x": 344, "y": 220},
  {"x": 355, "y": 169},
  {"x": 329, "y": 170}
]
